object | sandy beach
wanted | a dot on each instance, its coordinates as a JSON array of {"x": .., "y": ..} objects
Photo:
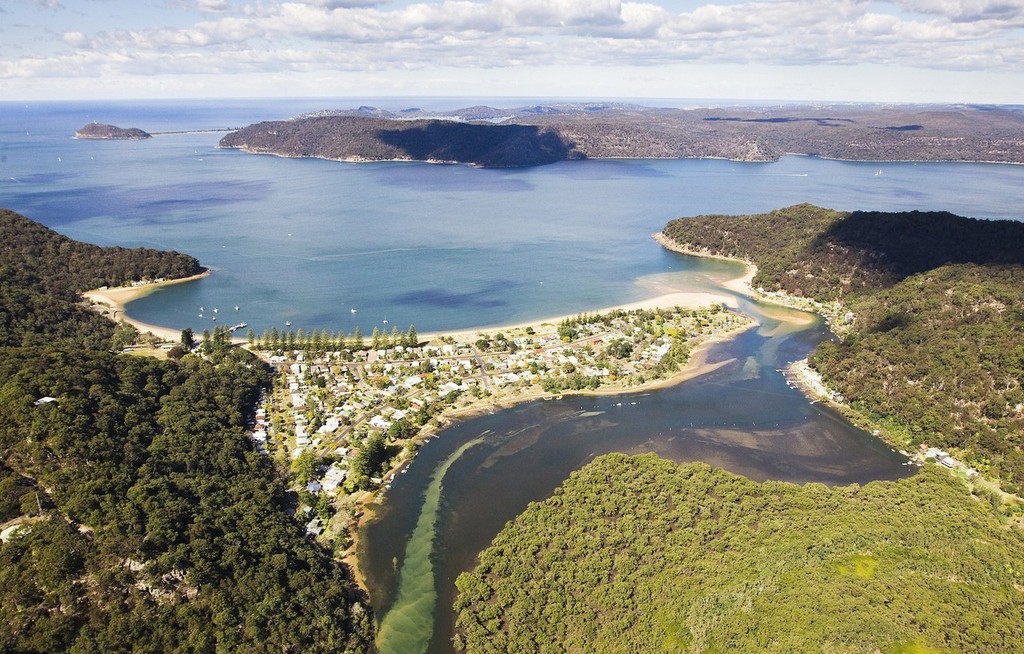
[
  {"x": 696, "y": 366},
  {"x": 111, "y": 302},
  {"x": 683, "y": 299}
]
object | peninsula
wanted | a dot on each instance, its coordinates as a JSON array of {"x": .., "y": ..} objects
[
  {"x": 635, "y": 550},
  {"x": 103, "y": 131},
  {"x": 536, "y": 135},
  {"x": 933, "y": 308}
]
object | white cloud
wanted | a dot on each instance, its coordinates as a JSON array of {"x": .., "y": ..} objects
[
  {"x": 373, "y": 36},
  {"x": 213, "y": 6},
  {"x": 968, "y": 10}
]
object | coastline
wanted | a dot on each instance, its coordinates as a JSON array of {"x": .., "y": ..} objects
[
  {"x": 684, "y": 299},
  {"x": 111, "y": 302},
  {"x": 696, "y": 366}
]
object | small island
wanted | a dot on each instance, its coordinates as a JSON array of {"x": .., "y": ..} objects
[{"x": 103, "y": 131}]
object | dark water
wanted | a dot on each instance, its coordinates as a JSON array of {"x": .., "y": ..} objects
[{"x": 742, "y": 417}]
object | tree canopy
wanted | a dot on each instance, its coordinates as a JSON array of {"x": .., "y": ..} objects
[
  {"x": 639, "y": 554},
  {"x": 137, "y": 515},
  {"x": 935, "y": 352}
]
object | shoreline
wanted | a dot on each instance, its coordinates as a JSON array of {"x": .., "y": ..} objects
[
  {"x": 111, "y": 302},
  {"x": 356, "y": 159},
  {"x": 684, "y": 299},
  {"x": 365, "y": 506}
]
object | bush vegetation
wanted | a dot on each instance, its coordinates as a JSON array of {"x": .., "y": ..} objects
[
  {"x": 141, "y": 518},
  {"x": 639, "y": 554},
  {"x": 936, "y": 348}
]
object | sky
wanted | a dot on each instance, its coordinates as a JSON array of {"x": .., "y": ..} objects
[{"x": 969, "y": 51}]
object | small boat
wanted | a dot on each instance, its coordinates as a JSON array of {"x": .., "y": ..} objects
[
  {"x": 236, "y": 307},
  {"x": 353, "y": 310},
  {"x": 287, "y": 323},
  {"x": 215, "y": 309}
]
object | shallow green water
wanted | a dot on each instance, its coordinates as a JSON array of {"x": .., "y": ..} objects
[{"x": 409, "y": 625}]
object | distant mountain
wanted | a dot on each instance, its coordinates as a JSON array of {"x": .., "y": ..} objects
[
  {"x": 486, "y": 136},
  {"x": 102, "y": 131}
]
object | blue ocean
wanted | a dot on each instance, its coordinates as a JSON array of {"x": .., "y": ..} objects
[{"x": 325, "y": 245}]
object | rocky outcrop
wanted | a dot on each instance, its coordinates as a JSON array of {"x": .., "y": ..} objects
[{"x": 102, "y": 131}]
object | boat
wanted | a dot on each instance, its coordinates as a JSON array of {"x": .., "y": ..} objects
[{"x": 353, "y": 310}]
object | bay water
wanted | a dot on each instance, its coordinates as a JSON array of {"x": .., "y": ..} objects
[
  {"x": 441, "y": 247},
  {"x": 316, "y": 244}
]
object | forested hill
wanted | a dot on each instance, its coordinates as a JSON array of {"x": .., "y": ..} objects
[
  {"x": 827, "y": 255},
  {"x": 639, "y": 554},
  {"x": 42, "y": 274},
  {"x": 135, "y": 514},
  {"x": 937, "y": 349},
  {"x": 539, "y": 134},
  {"x": 360, "y": 138}
]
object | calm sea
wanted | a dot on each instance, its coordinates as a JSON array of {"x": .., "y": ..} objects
[{"x": 327, "y": 245}]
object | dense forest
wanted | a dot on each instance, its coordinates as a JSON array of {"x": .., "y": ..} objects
[
  {"x": 375, "y": 139},
  {"x": 42, "y": 274},
  {"x": 639, "y": 554},
  {"x": 135, "y": 514},
  {"x": 936, "y": 353}
]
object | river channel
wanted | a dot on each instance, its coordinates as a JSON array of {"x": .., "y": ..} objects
[{"x": 480, "y": 473}]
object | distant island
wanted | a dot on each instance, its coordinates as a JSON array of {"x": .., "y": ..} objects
[
  {"x": 542, "y": 134},
  {"x": 103, "y": 131}
]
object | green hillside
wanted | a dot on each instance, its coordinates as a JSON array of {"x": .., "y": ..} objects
[
  {"x": 936, "y": 351},
  {"x": 638, "y": 554},
  {"x": 42, "y": 273},
  {"x": 136, "y": 516}
]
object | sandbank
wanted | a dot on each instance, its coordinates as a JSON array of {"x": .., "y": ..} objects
[
  {"x": 111, "y": 302},
  {"x": 696, "y": 366},
  {"x": 682, "y": 299}
]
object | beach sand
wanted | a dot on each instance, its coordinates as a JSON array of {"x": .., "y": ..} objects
[
  {"x": 111, "y": 302},
  {"x": 682, "y": 299}
]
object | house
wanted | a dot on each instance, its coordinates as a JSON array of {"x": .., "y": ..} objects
[
  {"x": 315, "y": 527},
  {"x": 333, "y": 478}
]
